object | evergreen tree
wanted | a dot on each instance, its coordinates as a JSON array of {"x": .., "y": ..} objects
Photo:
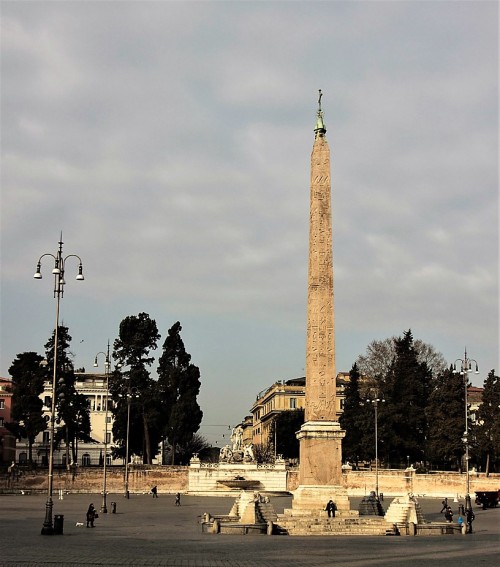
[
  {"x": 138, "y": 335},
  {"x": 356, "y": 421},
  {"x": 445, "y": 415},
  {"x": 72, "y": 409},
  {"x": 28, "y": 375},
  {"x": 487, "y": 429},
  {"x": 284, "y": 429},
  {"x": 178, "y": 388},
  {"x": 403, "y": 417}
]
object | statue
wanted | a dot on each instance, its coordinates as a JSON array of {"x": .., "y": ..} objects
[
  {"x": 248, "y": 455},
  {"x": 226, "y": 454},
  {"x": 237, "y": 438}
]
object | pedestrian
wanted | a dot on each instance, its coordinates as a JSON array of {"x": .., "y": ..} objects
[
  {"x": 154, "y": 491},
  {"x": 178, "y": 499},
  {"x": 331, "y": 508},
  {"x": 445, "y": 505},
  {"x": 470, "y": 518},
  {"x": 449, "y": 514},
  {"x": 91, "y": 516}
]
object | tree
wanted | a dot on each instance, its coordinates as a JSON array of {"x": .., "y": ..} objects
[
  {"x": 178, "y": 388},
  {"x": 357, "y": 421},
  {"x": 403, "y": 424},
  {"x": 72, "y": 408},
  {"x": 284, "y": 429},
  {"x": 445, "y": 415},
  {"x": 375, "y": 364},
  {"x": 197, "y": 444},
  {"x": 28, "y": 375},
  {"x": 487, "y": 429},
  {"x": 138, "y": 336}
]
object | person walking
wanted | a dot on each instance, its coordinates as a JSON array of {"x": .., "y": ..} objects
[
  {"x": 91, "y": 516},
  {"x": 445, "y": 505},
  {"x": 331, "y": 508},
  {"x": 470, "y": 518},
  {"x": 154, "y": 491},
  {"x": 178, "y": 499}
]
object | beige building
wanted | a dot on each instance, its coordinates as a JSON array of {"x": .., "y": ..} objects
[
  {"x": 286, "y": 395},
  {"x": 93, "y": 387}
]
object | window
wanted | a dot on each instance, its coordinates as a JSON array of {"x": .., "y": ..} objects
[
  {"x": 108, "y": 419},
  {"x": 85, "y": 460},
  {"x": 1, "y": 422},
  {"x": 108, "y": 438},
  {"x": 2, "y": 404},
  {"x": 342, "y": 403},
  {"x": 46, "y": 437},
  {"x": 109, "y": 460},
  {"x": 47, "y": 402},
  {"x": 293, "y": 403}
]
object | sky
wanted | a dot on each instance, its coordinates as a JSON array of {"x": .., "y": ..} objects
[{"x": 170, "y": 143}]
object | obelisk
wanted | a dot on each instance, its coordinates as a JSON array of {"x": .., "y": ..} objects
[{"x": 320, "y": 471}]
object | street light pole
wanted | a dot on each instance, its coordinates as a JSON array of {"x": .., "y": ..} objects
[
  {"x": 131, "y": 392},
  {"x": 58, "y": 272},
  {"x": 375, "y": 401},
  {"x": 465, "y": 368},
  {"x": 107, "y": 365}
]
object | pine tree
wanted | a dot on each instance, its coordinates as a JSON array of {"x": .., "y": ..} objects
[
  {"x": 445, "y": 415},
  {"x": 357, "y": 422},
  {"x": 407, "y": 389},
  {"x": 487, "y": 430},
  {"x": 178, "y": 388},
  {"x": 28, "y": 375},
  {"x": 72, "y": 409},
  {"x": 138, "y": 336}
]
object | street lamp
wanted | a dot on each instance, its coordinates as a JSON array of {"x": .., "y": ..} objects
[
  {"x": 465, "y": 368},
  {"x": 58, "y": 272},
  {"x": 375, "y": 401},
  {"x": 107, "y": 365},
  {"x": 132, "y": 392}
]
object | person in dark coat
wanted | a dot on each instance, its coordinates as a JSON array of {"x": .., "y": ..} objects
[
  {"x": 331, "y": 508},
  {"x": 178, "y": 499},
  {"x": 154, "y": 491},
  {"x": 445, "y": 505},
  {"x": 448, "y": 514},
  {"x": 91, "y": 514},
  {"x": 470, "y": 518}
]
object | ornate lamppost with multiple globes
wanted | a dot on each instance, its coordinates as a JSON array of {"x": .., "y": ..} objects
[
  {"x": 59, "y": 283},
  {"x": 107, "y": 366},
  {"x": 464, "y": 369}
]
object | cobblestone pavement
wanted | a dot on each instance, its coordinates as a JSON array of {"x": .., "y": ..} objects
[{"x": 147, "y": 531}]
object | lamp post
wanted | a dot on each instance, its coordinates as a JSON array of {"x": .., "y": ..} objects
[
  {"x": 375, "y": 401},
  {"x": 131, "y": 392},
  {"x": 465, "y": 368},
  {"x": 107, "y": 365},
  {"x": 58, "y": 272}
]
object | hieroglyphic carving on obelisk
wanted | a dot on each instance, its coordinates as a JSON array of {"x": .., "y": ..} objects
[{"x": 320, "y": 404}]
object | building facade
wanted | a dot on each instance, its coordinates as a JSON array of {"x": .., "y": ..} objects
[
  {"x": 7, "y": 440},
  {"x": 286, "y": 395},
  {"x": 93, "y": 387}
]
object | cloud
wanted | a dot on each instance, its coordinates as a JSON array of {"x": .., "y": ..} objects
[{"x": 171, "y": 141}]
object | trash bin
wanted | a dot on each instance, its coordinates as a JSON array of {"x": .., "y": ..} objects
[
  {"x": 113, "y": 507},
  {"x": 58, "y": 524}
]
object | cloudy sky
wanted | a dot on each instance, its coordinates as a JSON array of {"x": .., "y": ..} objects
[{"x": 170, "y": 142}]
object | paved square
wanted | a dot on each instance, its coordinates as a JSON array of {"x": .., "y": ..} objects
[{"x": 147, "y": 531}]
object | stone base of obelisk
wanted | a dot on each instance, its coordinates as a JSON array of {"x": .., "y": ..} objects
[{"x": 320, "y": 471}]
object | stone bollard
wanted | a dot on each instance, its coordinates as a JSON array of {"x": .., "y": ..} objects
[
  {"x": 113, "y": 507},
  {"x": 215, "y": 527}
]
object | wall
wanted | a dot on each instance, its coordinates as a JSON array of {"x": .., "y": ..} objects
[{"x": 203, "y": 479}]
